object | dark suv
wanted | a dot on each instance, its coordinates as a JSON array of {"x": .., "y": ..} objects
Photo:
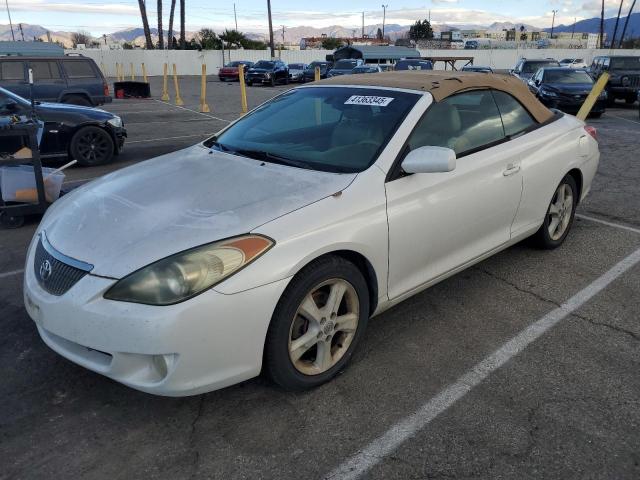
[
  {"x": 624, "y": 80},
  {"x": 68, "y": 79},
  {"x": 525, "y": 68},
  {"x": 268, "y": 72}
]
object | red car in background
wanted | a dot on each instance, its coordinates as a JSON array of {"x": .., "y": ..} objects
[{"x": 230, "y": 70}]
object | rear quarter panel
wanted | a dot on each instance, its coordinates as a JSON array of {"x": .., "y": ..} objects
[{"x": 548, "y": 154}]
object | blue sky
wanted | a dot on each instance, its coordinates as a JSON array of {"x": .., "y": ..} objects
[{"x": 103, "y": 16}]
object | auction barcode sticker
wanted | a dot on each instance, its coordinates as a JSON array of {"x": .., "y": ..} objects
[{"x": 368, "y": 100}]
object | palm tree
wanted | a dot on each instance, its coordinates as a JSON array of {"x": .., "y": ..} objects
[
  {"x": 160, "y": 36},
  {"x": 172, "y": 11},
  {"x": 182, "y": 39},
  {"x": 232, "y": 38},
  {"x": 615, "y": 29},
  {"x": 145, "y": 24},
  {"x": 624, "y": 30}
]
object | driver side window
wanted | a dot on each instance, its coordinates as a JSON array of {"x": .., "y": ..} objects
[{"x": 465, "y": 122}]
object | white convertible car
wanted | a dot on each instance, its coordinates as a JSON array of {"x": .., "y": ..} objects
[{"x": 269, "y": 246}]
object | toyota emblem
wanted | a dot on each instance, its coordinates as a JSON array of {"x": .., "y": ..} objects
[{"x": 45, "y": 270}]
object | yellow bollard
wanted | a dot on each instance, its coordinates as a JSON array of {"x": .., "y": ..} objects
[
  {"x": 203, "y": 90},
  {"x": 179, "y": 101},
  {"x": 165, "y": 87},
  {"x": 117, "y": 72},
  {"x": 317, "y": 74},
  {"x": 243, "y": 88},
  {"x": 133, "y": 76},
  {"x": 593, "y": 96},
  {"x": 144, "y": 74}
]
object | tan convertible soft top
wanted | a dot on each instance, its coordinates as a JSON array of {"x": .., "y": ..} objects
[{"x": 442, "y": 84}]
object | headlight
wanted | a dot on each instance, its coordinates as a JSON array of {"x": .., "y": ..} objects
[
  {"x": 186, "y": 274},
  {"x": 548, "y": 93},
  {"x": 115, "y": 121}
]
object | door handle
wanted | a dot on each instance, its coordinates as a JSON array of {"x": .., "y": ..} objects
[{"x": 511, "y": 169}]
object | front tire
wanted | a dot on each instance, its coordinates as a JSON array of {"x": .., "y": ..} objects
[
  {"x": 317, "y": 324},
  {"x": 559, "y": 217},
  {"x": 92, "y": 146}
]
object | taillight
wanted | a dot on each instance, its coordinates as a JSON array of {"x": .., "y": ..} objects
[
  {"x": 106, "y": 89},
  {"x": 591, "y": 131}
]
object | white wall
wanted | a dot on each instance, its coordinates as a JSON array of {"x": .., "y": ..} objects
[{"x": 188, "y": 61}]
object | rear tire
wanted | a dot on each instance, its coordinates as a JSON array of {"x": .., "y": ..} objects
[
  {"x": 77, "y": 100},
  {"x": 330, "y": 330},
  {"x": 559, "y": 217},
  {"x": 92, "y": 146}
]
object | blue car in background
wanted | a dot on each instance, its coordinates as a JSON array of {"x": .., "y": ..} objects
[
  {"x": 65, "y": 79},
  {"x": 413, "y": 64}
]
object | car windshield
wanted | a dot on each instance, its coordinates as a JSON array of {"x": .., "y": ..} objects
[
  {"x": 365, "y": 69},
  {"x": 413, "y": 65},
  {"x": 625, "y": 63},
  {"x": 296, "y": 66},
  {"x": 533, "y": 67},
  {"x": 313, "y": 65},
  {"x": 345, "y": 64},
  {"x": 568, "y": 76},
  {"x": 334, "y": 129},
  {"x": 7, "y": 95},
  {"x": 263, "y": 64},
  {"x": 567, "y": 60}
]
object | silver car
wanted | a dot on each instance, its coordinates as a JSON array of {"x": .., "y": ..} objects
[{"x": 296, "y": 71}]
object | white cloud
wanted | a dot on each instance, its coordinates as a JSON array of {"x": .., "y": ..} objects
[{"x": 42, "y": 6}]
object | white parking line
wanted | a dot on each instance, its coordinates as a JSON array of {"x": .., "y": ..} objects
[
  {"x": 9, "y": 274},
  {"x": 372, "y": 454},
  {"x": 170, "y": 138},
  {"x": 610, "y": 224},
  {"x": 622, "y": 118},
  {"x": 182, "y": 120},
  {"x": 194, "y": 111}
]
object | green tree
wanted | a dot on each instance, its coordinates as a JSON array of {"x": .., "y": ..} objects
[
  {"x": 249, "y": 44},
  {"x": 421, "y": 30},
  {"x": 127, "y": 46},
  {"x": 232, "y": 38},
  {"x": 208, "y": 40},
  {"x": 331, "y": 43},
  {"x": 379, "y": 34}
]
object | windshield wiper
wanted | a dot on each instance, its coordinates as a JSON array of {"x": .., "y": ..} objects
[{"x": 272, "y": 158}]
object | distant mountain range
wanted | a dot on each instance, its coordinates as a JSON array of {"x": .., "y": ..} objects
[
  {"x": 294, "y": 34},
  {"x": 592, "y": 25}
]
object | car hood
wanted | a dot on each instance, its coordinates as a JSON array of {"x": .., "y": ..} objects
[
  {"x": 574, "y": 88},
  {"x": 260, "y": 70},
  {"x": 140, "y": 214},
  {"x": 67, "y": 108}
]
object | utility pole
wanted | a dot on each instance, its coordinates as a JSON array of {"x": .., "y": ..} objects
[
  {"x": 553, "y": 21},
  {"x": 235, "y": 17},
  {"x": 384, "y": 15},
  {"x": 273, "y": 50},
  {"x": 615, "y": 29},
  {"x": 573, "y": 28},
  {"x": 104, "y": 36},
  {"x": 602, "y": 26},
  {"x": 362, "y": 24},
  {"x": 13, "y": 37},
  {"x": 21, "y": 32},
  {"x": 282, "y": 35}
]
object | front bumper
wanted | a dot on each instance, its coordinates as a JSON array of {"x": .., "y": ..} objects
[
  {"x": 229, "y": 76},
  {"x": 208, "y": 342},
  {"x": 258, "y": 78},
  {"x": 572, "y": 106},
  {"x": 119, "y": 136}
]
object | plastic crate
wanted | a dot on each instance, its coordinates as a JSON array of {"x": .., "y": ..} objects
[{"x": 18, "y": 184}]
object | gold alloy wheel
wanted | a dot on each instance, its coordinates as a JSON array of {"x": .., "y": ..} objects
[
  {"x": 324, "y": 326},
  {"x": 560, "y": 211}
]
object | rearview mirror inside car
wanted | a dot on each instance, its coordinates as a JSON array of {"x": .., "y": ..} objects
[{"x": 429, "y": 159}]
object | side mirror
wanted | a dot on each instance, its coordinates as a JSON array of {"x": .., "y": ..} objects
[
  {"x": 429, "y": 160},
  {"x": 537, "y": 82}
]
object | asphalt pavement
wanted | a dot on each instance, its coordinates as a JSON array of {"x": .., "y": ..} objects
[{"x": 497, "y": 372}]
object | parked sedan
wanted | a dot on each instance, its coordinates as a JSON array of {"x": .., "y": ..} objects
[
  {"x": 367, "y": 68},
  {"x": 573, "y": 63},
  {"x": 477, "y": 68},
  {"x": 89, "y": 135},
  {"x": 344, "y": 67},
  {"x": 231, "y": 71},
  {"x": 268, "y": 72},
  {"x": 296, "y": 71},
  {"x": 413, "y": 64},
  {"x": 565, "y": 89},
  {"x": 268, "y": 246},
  {"x": 309, "y": 74}
]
